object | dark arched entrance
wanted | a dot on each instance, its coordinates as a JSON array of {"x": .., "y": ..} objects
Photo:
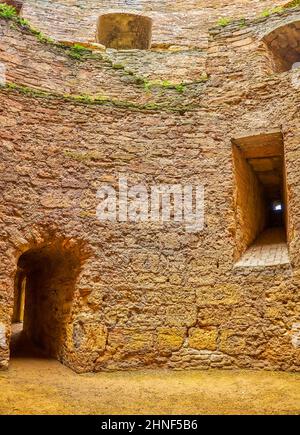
[{"x": 43, "y": 297}]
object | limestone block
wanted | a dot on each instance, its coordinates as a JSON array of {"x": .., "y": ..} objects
[
  {"x": 225, "y": 294},
  {"x": 178, "y": 316},
  {"x": 170, "y": 339},
  {"x": 204, "y": 338},
  {"x": 3, "y": 342},
  {"x": 130, "y": 340},
  {"x": 232, "y": 343}
]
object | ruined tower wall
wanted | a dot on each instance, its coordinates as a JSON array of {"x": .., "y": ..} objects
[
  {"x": 148, "y": 294},
  {"x": 175, "y": 22}
]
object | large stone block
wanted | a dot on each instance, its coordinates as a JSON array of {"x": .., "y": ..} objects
[
  {"x": 181, "y": 315},
  {"x": 130, "y": 340},
  {"x": 231, "y": 342},
  {"x": 220, "y": 294},
  {"x": 90, "y": 337},
  {"x": 170, "y": 339},
  {"x": 203, "y": 339}
]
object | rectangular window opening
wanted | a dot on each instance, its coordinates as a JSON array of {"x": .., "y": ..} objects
[{"x": 261, "y": 203}]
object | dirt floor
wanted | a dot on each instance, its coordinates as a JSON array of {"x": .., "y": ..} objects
[{"x": 43, "y": 386}]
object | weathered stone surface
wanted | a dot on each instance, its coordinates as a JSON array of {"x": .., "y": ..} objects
[
  {"x": 219, "y": 294},
  {"x": 231, "y": 342},
  {"x": 204, "y": 338},
  {"x": 123, "y": 295},
  {"x": 170, "y": 339}
]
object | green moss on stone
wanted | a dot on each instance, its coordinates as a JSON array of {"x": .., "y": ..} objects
[
  {"x": 98, "y": 100},
  {"x": 267, "y": 12},
  {"x": 79, "y": 52},
  {"x": 8, "y": 12},
  {"x": 223, "y": 22}
]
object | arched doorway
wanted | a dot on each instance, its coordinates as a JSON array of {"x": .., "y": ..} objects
[
  {"x": 43, "y": 297},
  {"x": 282, "y": 46}
]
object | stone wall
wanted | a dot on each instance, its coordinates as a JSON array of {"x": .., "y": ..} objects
[
  {"x": 147, "y": 294},
  {"x": 51, "y": 273},
  {"x": 183, "y": 22}
]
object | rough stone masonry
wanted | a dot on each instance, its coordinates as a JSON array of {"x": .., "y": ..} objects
[{"x": 214, "y": 101}]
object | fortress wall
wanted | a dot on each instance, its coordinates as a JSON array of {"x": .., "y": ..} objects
[
  {"x": 148, "y": 295},
  {"x": 181, "y": 22},
  {"x": 113, "y": 73},
  {"x": 151, "y": 295}
]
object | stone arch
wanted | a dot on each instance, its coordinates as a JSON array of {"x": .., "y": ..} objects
[
  {"x": 47, "y": 274},
  {"x": 283, "y": 45},
  {"x": 124, "y": 31}
]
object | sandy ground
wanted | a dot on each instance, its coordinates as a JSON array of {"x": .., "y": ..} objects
[{"x": 43, "y": 386}]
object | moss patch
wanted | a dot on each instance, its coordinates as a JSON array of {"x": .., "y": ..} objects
[
  {"x": 80, "y": 53},
  {"x": 98, "y": 100},
  {"x": 223, "y": 22},
  {"x": 7, "y": 12},
  {"x": 268, "y": 12},
  {"x": 292, "y": 4}
]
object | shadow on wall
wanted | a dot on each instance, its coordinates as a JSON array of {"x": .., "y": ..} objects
[{"x": 261, "y": 201}]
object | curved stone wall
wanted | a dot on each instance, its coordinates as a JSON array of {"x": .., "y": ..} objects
[
  {"x": 148, "y": 294},
  {"x": 183, "y": 22}
]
